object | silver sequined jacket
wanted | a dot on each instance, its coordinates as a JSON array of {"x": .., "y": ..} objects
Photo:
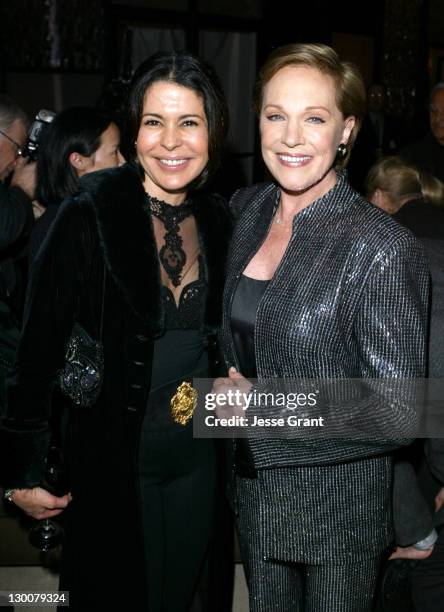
[{"x": 349, "y": 300}]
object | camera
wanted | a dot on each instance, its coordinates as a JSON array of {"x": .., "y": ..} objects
[{"x": 42, "y": 120}]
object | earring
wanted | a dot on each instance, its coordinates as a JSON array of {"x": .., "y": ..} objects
[{"x": 342, "y": 150}]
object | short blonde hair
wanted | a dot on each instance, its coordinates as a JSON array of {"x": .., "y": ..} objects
[
  {"x": 401, "y": 180},
  {"x": 350, "y": 88}
]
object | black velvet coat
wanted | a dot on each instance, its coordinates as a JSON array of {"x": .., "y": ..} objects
[{"x": 104, "y": 223}]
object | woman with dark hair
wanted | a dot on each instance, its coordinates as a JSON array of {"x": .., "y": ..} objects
[
  {"x": 137, "y": 259},
  {"x": 321, "y": 285},
  {"x": 78, "y": 141}
]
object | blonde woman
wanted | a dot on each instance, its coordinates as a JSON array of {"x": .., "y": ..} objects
[{"x": 306, "y": 296}]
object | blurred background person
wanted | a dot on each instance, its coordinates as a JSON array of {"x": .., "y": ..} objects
[
  {"x": 428, "y": 153},
  {"x": 17, "y": 190},
  {"x": 392, "y": 183},
  {"x": 78, "y": 141},
  {"x": 379, "y": 135},
  {"x": 416, "y": 199}
]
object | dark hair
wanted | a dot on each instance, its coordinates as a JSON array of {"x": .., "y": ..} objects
[
  {"x": 350, "y": 89},
  {"x": 10, "y": 111},
  {"x": 184, "y": 69},
  {"x": 73, "y": 130}
]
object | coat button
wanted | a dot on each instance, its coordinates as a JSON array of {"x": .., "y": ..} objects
[
  {"x": 131, "y": 409},
  {"x": 136, "y": 386},
  {"x": 139, "y": 363}
]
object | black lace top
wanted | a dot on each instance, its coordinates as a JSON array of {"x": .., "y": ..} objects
[
  {"x": 189, "y": 313},
  {"x": 179, "y": 349},
  {"x": 180, "y": 262}
]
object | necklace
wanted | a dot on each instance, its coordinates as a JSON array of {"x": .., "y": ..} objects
[
  {"x": 278, "y": 219},
  {"x": 172, "y": 256}
]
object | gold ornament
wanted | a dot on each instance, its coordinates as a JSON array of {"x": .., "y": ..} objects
[{"x": 183, "y": 403}]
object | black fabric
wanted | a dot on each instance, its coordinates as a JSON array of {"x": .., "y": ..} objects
[
  {"x": 427, "y": 223},
  {"x": 177, "y": 473},
  {"x": 188, "y": 313},
  {"x": 427, "y": 154},
  {"x": 106, "y": 221},
  {"x": 171, "y": 255},
  {"x": 243, "y": 317},
  {"x": 40, "y": 230},
  {"x": 16, "y": 221},
  {"x": 178, "y": 353},
  {"x": 178, "y": 486},
  {"x": 16, "y": 216},
  {"x": 412, "y": 518},
  {"x": 427, "y": 580}
]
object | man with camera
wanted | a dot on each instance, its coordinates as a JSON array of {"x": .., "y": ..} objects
[{"x": 17, "y": 186}]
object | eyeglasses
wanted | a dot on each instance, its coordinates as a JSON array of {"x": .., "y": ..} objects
[{"x": 16, "y": 144}]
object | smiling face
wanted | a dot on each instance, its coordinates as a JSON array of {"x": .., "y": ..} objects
[
  {"x": 301, "y": 128},
  {"x": 172, "y": 142}
]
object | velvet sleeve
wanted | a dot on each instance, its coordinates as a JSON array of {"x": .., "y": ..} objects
[{"x": 52, "y": 300}]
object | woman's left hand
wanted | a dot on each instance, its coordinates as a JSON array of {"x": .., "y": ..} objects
[
  {"x": 410, "y": 552},
  {"x": 234, "y": 387}
]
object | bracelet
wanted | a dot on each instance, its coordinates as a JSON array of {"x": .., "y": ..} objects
[{"x": 8, "y": 495}]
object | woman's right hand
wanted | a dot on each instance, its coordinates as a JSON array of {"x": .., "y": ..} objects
[
  {"x": 235, "y": 384},
  {"x": 39, "y": 503}
]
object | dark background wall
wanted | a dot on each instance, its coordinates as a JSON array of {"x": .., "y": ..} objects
[{"x": 59, "y": 53}]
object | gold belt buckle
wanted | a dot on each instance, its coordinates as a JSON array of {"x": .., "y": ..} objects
[{"x": 183, "y": 403}]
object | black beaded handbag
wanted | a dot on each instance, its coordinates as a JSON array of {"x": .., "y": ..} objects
[{"x": 82, "y": 375}]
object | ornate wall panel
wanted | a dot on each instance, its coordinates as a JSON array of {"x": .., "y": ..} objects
[
  {"x": 64, "y": 35},
  {"x": 402, "y": 55}
]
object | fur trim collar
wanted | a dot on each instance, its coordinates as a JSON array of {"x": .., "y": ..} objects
[{"x": 127, "y": 239}]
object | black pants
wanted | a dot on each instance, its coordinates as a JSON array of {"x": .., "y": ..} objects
[
  {"x": 292, "y": 587},
  {"x": 428, "y": 575},
  {"x": 177, "y": 478},
  {"x": 284, "y": 586},
  {"x": 428, "y": 580}
]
